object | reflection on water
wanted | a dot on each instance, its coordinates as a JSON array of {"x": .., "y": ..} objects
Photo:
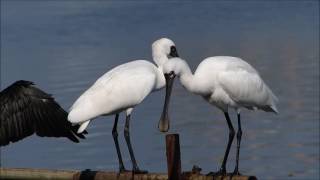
[{"x": 65, "y": 46}]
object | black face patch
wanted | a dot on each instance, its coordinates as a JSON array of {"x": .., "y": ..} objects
[{"x": 173, "y": 52}]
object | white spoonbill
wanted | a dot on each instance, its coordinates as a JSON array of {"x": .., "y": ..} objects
[
  {"x": 25, "y": 110},
  {"x": 225, "y": 82},
  {"x": 121, "y": 89}
]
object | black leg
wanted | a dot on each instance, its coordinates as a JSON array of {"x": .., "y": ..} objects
[
  {"x": 135, "y": 167},
  {"x": 115, "y": 138},
  {"x": 239, "y": 134},
  {"x": 223, "y": 170}
]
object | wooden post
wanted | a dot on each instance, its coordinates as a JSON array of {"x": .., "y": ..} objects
[{"x": 173, "y": 157}]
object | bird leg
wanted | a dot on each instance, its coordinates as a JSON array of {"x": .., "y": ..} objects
[
  {"x": 135, "y": 167},
  {"x": 223, "y": 170},
  {"x": 239, "y": 134},
  {"x": 115, "y": 138},
  {"x": 231, "y": 136}
]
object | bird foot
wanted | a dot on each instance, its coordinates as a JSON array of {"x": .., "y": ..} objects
[
  {"x": 221, "y": 172},
  {"x": 236, "y": 173},
  {"x": 123, "y": 170},
  {"x": 196, "y": 169},
  {"x": 138, "y": 171}
]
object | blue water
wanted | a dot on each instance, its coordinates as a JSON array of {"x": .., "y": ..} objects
[{"x": 64, "y": 46}]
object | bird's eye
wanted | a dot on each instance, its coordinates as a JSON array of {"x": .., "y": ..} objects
[
  {"x": 173, "y": 52},
  {"x": 173, "y": 49}
]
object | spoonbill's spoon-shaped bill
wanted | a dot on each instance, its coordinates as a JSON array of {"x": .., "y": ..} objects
[{"x": 164, "y": 122}]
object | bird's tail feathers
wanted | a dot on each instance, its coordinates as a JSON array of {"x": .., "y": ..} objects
[
  {"x": 75, "y": 131},
  {"x": 272, "y": 101},
  {"x": 271, "y": 108},
  {"x": 83, "y": 126},
  {"x": 273, "y": 104},
  {"x": 274, "y": 109}
]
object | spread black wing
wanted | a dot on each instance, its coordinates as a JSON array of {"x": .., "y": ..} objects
[{"x": 25, "y": 109}]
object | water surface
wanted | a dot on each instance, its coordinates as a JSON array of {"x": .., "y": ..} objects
[{"x": 65, "y": 46}]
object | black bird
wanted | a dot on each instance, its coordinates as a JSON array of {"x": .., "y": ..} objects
[{"x": 25, "y": 110}]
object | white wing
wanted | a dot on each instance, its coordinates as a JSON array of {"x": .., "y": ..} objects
[
  {"x": 123, "y": 87},
  {"x": 247, "y": 89}
]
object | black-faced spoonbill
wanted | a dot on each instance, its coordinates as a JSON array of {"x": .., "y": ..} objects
[
  {"x": 225, "y": 82},
  {"x": 25, "y": 110},
  {"x": 121, "y": 89}
]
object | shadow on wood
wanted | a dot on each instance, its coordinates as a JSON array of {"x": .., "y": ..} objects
[
  {"x": 85, "y": 175},
  {"x": 100, "y": 175}
]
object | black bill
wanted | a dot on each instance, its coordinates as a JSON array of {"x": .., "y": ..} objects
[{"x": 164, "y": 120}]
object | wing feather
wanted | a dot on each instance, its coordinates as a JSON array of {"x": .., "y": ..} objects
[
  {"x": 247, "y": 89},
  {"x": 25, "y": 110}
]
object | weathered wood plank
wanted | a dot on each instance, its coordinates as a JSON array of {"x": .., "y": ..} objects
[
  {"x": 44, "y": 174},
  {"x": 23, "y": 173}
]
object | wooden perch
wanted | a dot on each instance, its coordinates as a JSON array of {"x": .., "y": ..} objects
[
  {"x": 43, "y": 174},
  {"x": 173, "y": 156},
  {"x": 173, "y": 163}
]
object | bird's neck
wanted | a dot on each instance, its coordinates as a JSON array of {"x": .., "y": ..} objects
[
  {"x": 190, "y": 81},
  {"x": 161, "y": 81},
  {"x": 187, "y": 79}
]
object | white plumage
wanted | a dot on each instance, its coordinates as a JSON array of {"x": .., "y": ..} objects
[
  {"x": 226, "y": 82},
  {"x": 234, "y": 83},
  {"x": 121, "y": 89}
]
